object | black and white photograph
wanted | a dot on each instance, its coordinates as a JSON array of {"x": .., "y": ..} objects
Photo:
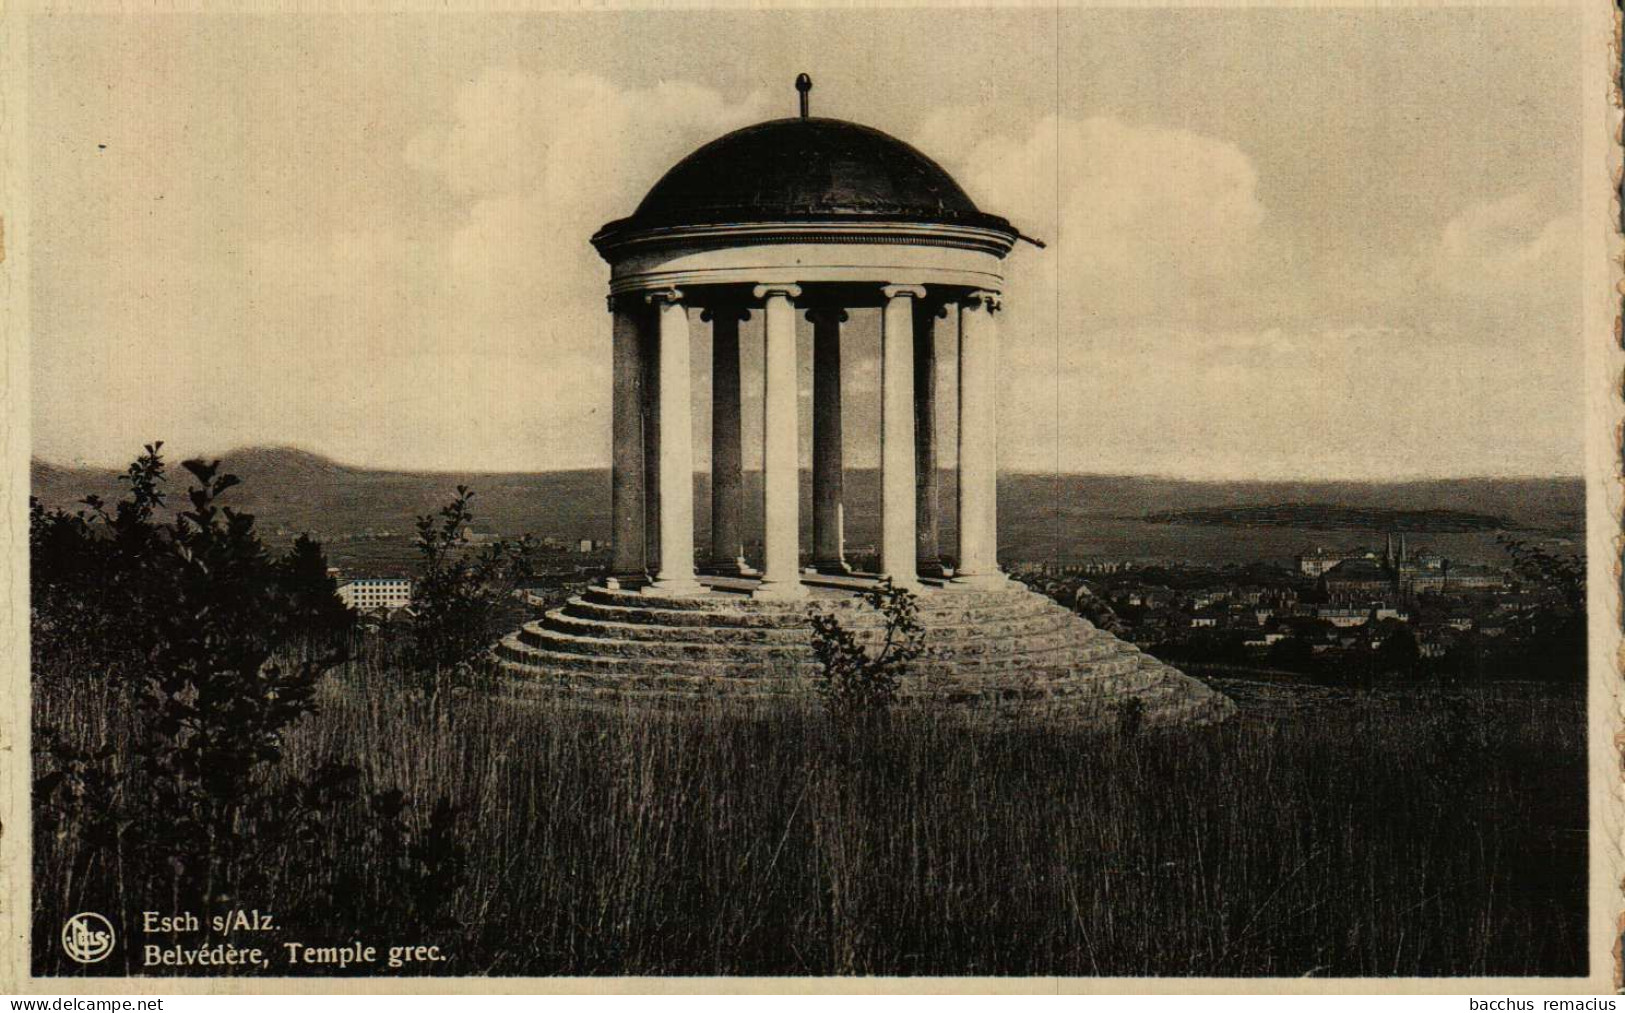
[{"x": 812, "y": 493}]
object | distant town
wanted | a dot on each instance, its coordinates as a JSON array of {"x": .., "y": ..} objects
[
  {"x": 1324, "y": 579},
  {"x": 1385, "y": 609},
  {"x": 1392, "y": 605}
]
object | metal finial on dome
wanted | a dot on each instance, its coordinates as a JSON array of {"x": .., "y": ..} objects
[{"x": 803, "y": 85}]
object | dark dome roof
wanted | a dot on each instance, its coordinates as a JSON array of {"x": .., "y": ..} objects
[{"x": 806, "y": 169}]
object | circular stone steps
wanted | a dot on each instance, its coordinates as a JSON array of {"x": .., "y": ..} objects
[
  {"x": 564, "y": 620},
  {"x": 788, "y": 646},
  {"x": 1008, "y": 651},
  {"x": 738, "y": 611}
]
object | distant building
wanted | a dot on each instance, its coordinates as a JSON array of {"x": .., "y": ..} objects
[
  {"x": 1401, "y": 574},
  {"x": 376, "y": 594},
  {"x": 1316, "y": 562},
  {"x": 1209, "y": 598},
  {"x": 1359, "y": 577},
  {"x": 1461, "y": 577},
  {"x": 1343, "y": 617}
]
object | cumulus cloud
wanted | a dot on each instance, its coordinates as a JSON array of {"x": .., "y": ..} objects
[
  {"x": 1509, "y": 251},
  {"x": 471, "y": 335},
  {"x": 576, "y": 138},
  {"x": 1175, "y": 326},
  {"x": 541, "y": 160},
  {"x": 1138, "y": 217},
  {"x": 452, "y": 315},
  {"x": 507, "y": 298}
]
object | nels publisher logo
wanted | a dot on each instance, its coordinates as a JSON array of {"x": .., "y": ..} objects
[{"x": 87, "y": 937}]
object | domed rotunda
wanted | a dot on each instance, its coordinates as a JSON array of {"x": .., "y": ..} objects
[{"x": 819, "y": 218}]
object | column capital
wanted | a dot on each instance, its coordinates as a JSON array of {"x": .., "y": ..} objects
[
  {"x": 670, "y": 295},
  {"x": 832, "y": 313},
  {"x": 893, "y": 291},
  {"x": 727, "y": 311},
  {"x": 993, "y": 301},
  {"x": 784, "y": 289}
]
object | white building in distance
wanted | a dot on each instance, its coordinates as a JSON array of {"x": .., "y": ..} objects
[{"x": 375, "y": 594}]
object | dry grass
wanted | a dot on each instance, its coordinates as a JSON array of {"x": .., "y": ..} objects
[{"x": 1415, "y": 832}]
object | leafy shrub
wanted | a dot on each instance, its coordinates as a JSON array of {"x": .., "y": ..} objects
[
  {"x": 176, "y": 655},
  {"x": 1551, "y": 642},
  {"x": 461, "y": 600},
  {"x": 1399, "y": 653},
  {"x": 855, "y": 682}
]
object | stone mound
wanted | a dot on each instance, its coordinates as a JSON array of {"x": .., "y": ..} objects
[{"x": 1006, "y": 651}]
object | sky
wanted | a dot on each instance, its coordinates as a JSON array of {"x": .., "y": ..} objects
[{"x": 1281, "y": 244}]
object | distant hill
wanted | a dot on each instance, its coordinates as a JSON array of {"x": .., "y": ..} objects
[
  {"x": 1531, "y": 502},
  {"x": 299, "y": 491},
  {"x": 1041, "y": 516},
  {"x": 1335, "y": 517}
]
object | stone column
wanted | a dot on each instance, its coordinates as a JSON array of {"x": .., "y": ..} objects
[
  {"x": 928, "y": 554},
  {"x": 829, "y": 519},
  {"x": 978, "y": 442},
  {"x": 626, "y": 457},
  {"x": 649, "y": 356},
  {"x": 727, "y": 464},
  {"x": 897, "y": 478},
  {"x": 676, "y": 574},
  {"x": 781, "y": 457}
]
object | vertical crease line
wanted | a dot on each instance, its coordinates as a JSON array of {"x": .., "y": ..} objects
[{"x": 1055, "y": 479}]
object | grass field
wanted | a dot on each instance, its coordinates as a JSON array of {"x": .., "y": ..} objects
[{"x": 1411, "y": 831}]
